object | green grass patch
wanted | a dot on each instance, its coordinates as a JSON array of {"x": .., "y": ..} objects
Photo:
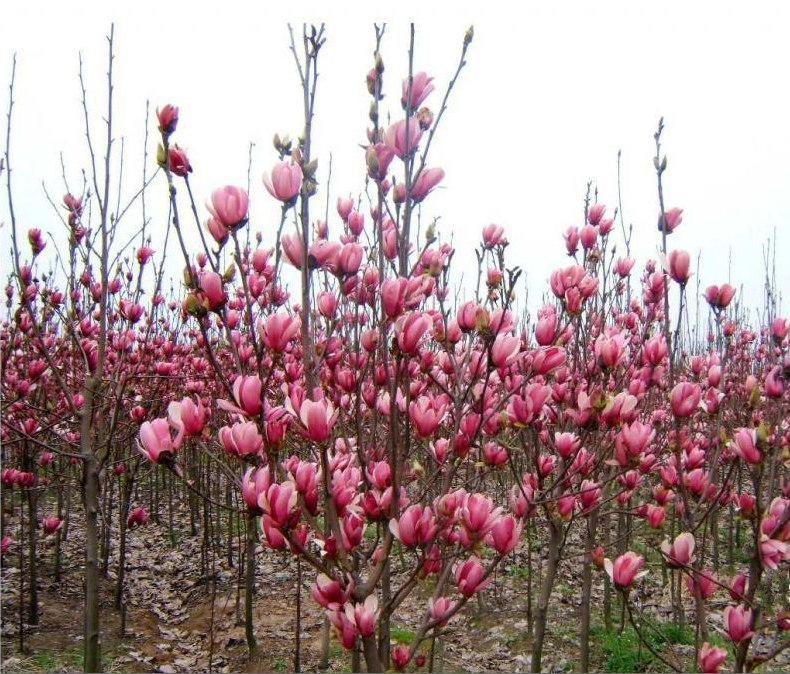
[
  {"x": 69, "y": 659},
  {"x": 625, "y": 653},
  {"x": 514, "y": 571},
  {"x": 402, "y": 635}
]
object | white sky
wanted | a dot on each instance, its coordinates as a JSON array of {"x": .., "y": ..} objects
[{"x": 549, "y": 95}]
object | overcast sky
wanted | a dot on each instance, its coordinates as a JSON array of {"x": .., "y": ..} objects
[{"x": 550, "y": 94}]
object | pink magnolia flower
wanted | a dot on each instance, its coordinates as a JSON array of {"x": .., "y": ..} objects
[
  {"x": 324, "y": 254},
  {"x": 51, "y": 523},
  {"x": 670, "y": 220},
  {"x": 623, "y": 266},
  {"x": 421, "y": 88},
  {"x": 247, "y": 394},
  {"x": 416, "y": 526},
  {"x": 425, "y": 182},
  {"x": 567, "y": 444},
  {"x": 229, "y": 205},
  {"x": 241, "y": 439},
  {"x": 155, "y": 442},
  {"x": 285, "y": 181},
  {"x": 738, "y": 587},
  {"x": 595, "y": 213},
  {"x": 469, "y": 576},
  {"x": 217, "y": 230},
  {"x": 478, "y": 515},
  {"x": 144, "y": 253},
  {"x": 745, "y": 446},
  {"x": 352, "y": 528},
  {"x": 773, "y": 552},
  {"x": 318, "y": 417},
  {"x": 410, "y": 329},
  {"x": 255, "y": 483},
  {"x": 780, "y": 328},
  {"x": 719, "y": 297},
  {"x": 393, "y": 296},
  {"x": 625, "y": 570},
  {"x": 212, "y": 291},
  {"x": 293, "y": 248},
  {"x": 680, "y": 552},
  {"x": 278, "y": 330},
  {"x": 168, "y": 119},
  {"x": 178, "y": 162},
  {"x": 379, "y": 474},
  {"x": 378, "y": 158},
  {"x": 738, "y": 623},
  {"x": 588, "y": 236},
  {"x": 546, "y": 327},
  {"x": 344, "y": 207},
  {"x": 494, "y": 454},
  {"x": 711, "y": 658},
  {"x": 426, "y": 414},
  {"x": 187, "y": 416},
  {"x": 327, "y": 304},
  {"x": 505, "y": 350},
  {"x": 137, "y": 517},
  {"x": 364, "y": 615},
  {"x": 440, "y": 609},
  {"x": 685, "y": 399},
  {"x": 344, "y": 625},
  {"x": 395, "y": 137},
  {"x": 493, "y": 236},
  {"x": 680, "y": 266},
  {"x": 505, "y": 534},
  {"x": 774, "y": 386},
  {"x": 279, "y": 502},
  {"x": 702, "y": 584},
  {"x": 330, "y": 593},
  {"x": 400, "y": 656}
]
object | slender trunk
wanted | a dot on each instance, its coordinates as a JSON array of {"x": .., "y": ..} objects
[
  {"x": 607, "y": 586},
  {"x": 21, "y": 575},
  {"x": 59, "y": 534},
  {"x": 32, "y": 535},
  {"x": 31, "y": 496},
  {"x": 298, "y": 628},
  {"x": 384, "y": 622},
  {"x": 541, "y": 615},
  {"x": 323, "y": 663},
  {"x": 123, "y": 513},
  {"x": 249, "y": 587},
  {"x": 107, "y": 520},
  {"x": 90, "y": 490},
  {"x": 372, "y": 659},
  {"x": 584, "y": 631}
]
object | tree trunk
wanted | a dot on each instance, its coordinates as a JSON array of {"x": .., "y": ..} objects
[
  {"x": 372, "y": 660},
  {"x": 584, "y": 631},
  {"x": 541, "y": 614},
  {"x": 90, "y": 491},
  {"x": 249, "y": 587}
]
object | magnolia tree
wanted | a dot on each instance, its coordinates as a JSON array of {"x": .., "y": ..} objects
[{"x": 396, "y": 441}]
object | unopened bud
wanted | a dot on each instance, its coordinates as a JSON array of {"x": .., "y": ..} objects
[
  {"x": 373, "y": 162},
  {"x": 161, "y": 155},
  {"x": 192, "y": 305},
  {"x": 430, "y": 233}
]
